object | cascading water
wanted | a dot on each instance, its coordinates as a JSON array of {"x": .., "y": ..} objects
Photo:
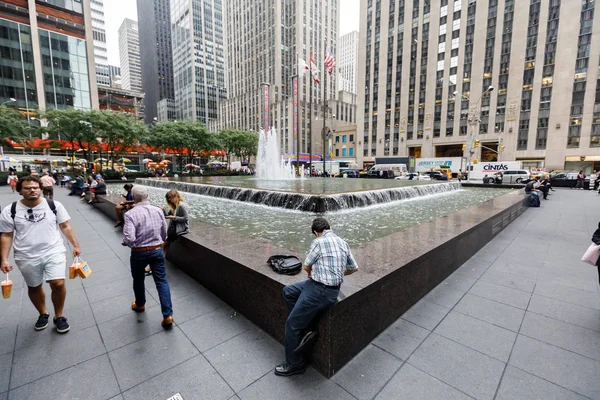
[
  {"x": 269, "y": 164},
  {"x": 305, "y": 202}
]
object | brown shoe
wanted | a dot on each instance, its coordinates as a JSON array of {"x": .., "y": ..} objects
[
  {"x": 137, "y": 308},
  {"x": 167, "y": 322}
]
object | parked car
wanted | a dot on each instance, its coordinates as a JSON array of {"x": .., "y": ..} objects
[
  {"x": 413, "y": 176},
  {"x": 437, "y": 175},
  {"x": 516, "y": 176},
  {"x": 350, "y": 173},
  {"x": 567, "y": 179}
]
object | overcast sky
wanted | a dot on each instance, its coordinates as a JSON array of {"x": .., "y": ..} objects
[{"x": 117, "y": 10}]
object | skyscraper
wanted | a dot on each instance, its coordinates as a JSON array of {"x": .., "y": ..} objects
[
  {"x": 100, "y": 49},
  {"x": 154, "y": 22},
  {"x": 520, "y": 76},
  {"x": 129, "y": 52},
  {"x": 198, "y": 58},
  {"x": 348, "y": 61},
  {"x": 47, "y": 55},
  {"x": 264, "y": 42}
]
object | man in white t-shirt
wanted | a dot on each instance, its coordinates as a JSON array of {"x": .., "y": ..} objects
[{"x": 31, "y": 228}]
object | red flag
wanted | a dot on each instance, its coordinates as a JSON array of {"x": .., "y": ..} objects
[{"x": 329, "y": 61}]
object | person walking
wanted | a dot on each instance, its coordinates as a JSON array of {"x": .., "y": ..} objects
[
  {"x": 178, "y": 217},
  {"x": 32, "y": 227},
  {"x": 145, "y": 231},
  {"x": 47, "y": 183},
  {"x": 580, "y": 180},
  {"x": 459, "y": 176},
  {"x": 328, "y": 260},
  {"x": 12, "y": 181}
]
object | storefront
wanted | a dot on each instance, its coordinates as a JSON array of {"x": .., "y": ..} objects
[{"x": 588, "y": 164}]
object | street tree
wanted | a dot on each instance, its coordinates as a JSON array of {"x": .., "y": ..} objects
[
  {"x": 12, "y": 125},
  {"x": 66, "y": 125}
]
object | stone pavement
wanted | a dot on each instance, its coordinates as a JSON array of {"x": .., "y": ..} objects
[{"x": 519, "y": 320}]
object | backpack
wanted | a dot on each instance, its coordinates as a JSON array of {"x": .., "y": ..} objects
[
  {"x": 13, "y": 208},
  {"x": 286, "y": 265},
  {"x": 534, "y": 201}
]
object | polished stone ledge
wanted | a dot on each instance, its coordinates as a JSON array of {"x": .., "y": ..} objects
[{"x": 395, "y": 272}]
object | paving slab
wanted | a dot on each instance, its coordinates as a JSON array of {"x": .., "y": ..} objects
[
  {"x": 401, "y": 338},
  {"x": 520, "y": 385}
]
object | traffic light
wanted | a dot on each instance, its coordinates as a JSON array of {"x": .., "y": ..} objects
[
  {"x": 475, "y": 161},
  {"x": 476, "y": 143},
  {"x": 464, "y": 147},
  {"x": 501, "y": 149}
]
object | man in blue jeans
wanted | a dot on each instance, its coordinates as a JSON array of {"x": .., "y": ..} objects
[
  {"x": 328, "y": 260},
  {"x": 145, "y": 231}
]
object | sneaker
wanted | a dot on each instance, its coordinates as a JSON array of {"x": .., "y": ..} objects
[
  {"x": 42, "y": 322},
  {"x": 62, "y": 326}
]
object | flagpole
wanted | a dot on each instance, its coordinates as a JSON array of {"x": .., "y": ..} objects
[
  {"x": 325, "y": 109},
  {"x": 309, "y": 136}
]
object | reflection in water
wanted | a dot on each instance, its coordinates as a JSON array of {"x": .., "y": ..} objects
[{"x": 291, "y": 229}]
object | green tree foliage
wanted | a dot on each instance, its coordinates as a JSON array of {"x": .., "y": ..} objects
[
  {"x": 12, "y": 125},
  {"x": 65, "y": 125},
  {"x": 186, "y": 138},
  {"x": 242, "y": 144}
]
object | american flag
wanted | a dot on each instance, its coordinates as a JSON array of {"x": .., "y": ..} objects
[{"x": 329, "y": 61}]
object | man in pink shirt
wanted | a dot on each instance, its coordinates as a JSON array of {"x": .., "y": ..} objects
[{"x": 48, "y": 183}]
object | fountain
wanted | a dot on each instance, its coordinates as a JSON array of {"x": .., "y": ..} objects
[
  {"x": 406, "y": 236},
  {"x": 269, "y": 163}
]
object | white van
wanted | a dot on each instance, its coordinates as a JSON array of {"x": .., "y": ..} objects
[
  {"x": 394, "y": 170},
  {"x": 478, "y": 171}
]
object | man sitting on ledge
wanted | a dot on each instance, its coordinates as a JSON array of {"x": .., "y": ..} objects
[{"x": 326, "y": 263}]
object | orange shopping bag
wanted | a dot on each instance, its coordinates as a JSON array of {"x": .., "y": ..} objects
[
  {"x": 82, "y": 268},
  {"x": 73, "y": 269}
]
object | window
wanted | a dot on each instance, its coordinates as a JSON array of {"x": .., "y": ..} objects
[
  {"x": 344, "y": 152},
  {"x": 337, "y": 139},
  {"x": 351, "y": 151},
  {"x": 337, "y": 152},
  {"x": 344, "y": 139}
]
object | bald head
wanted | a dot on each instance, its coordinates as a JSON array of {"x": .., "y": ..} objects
[{"x": 140, "y": 193}]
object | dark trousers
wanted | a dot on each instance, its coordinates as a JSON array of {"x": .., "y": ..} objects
[
  {"x": 156, "y": 260},
  {"x": 544, "y": 190},
  {"x": 305, "y": 300}
]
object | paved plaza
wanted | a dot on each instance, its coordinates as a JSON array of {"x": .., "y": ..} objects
[{"x": 519, "y": 320}]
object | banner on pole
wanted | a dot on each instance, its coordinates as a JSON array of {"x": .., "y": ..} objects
[
  {"x": 295, "y": 109},
  {"x": 266, "y": 121}
]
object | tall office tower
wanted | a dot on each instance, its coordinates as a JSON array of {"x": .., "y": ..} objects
[
  {"x": 198, "y": 58},
  {"x": 348, "y": 61},
  {"x": 47, "y": 55},
  {"x": 129, "y": 52},
  {"x": 264, "y": 41},
  {"x": 154, "y": 21},
  {"x": 415, "y": 54},
  {"x": 100, "y": 49}
]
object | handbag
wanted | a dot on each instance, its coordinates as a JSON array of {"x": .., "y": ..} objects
[
  {"x": 79, "y": 268},
  {"x": 286, "y": 265},
  {"x": 592, "y": 254}
]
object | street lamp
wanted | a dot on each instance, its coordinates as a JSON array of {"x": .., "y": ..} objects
[{"x": 11, "y": 100}]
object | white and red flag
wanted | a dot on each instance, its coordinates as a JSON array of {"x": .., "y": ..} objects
[
  {"x": 313, "y": 69},
  {"x": 329, "y": 61}
]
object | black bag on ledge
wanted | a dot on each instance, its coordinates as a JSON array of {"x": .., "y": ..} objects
[{"x": 287, "y": 265}]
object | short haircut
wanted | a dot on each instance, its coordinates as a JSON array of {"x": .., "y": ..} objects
[
  {"x": 319, "y": 225},
  {"x": 140, "y": 193},
  {"x": 127, "y": 186},
  {"x": 28, "y": 178}
]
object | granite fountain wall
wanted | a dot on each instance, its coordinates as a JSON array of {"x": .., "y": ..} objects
[{"x": 395, "y": 272}]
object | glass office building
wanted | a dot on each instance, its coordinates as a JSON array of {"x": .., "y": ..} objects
[{"x": 46, "y": 58}]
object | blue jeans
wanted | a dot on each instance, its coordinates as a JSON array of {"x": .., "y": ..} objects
[
  {"x": 305, "y": 300},
  {"x": 156, "y": 260}
]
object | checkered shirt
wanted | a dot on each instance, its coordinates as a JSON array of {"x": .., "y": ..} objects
[
  {"x": 145, "y": 226},
  {"x": 329, "y": 256}
]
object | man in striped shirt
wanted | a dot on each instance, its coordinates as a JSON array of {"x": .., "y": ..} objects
[{"x": 328, "y": 260}]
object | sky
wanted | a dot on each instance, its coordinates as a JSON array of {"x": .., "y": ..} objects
[{"x": 117, "y": 10}]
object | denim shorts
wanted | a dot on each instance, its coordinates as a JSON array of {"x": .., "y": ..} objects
[{"x": 48, "y": 268}]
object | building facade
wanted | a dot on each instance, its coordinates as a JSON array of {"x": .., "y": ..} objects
[
  {"x": 198, "y": 58},
  {"x": 348, "y": 62},
  {"x": 264, "y": 41},
  {"x": 154, "y": 20},
  {"x": 100, "y": 49},
  {"x": 166, "y": 110},
  {"x": 438, "y": 75},
  {"x": 47, "y": 55},
  {"x": 120, "y": 100},
  {"x": 129, "y": 55}
]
